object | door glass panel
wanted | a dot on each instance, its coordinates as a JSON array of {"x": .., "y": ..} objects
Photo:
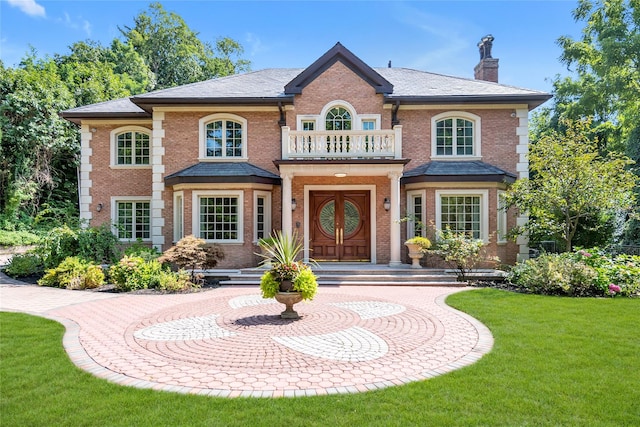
[
  {"x": 327, "y": 218},
  {"x": 351, "y": 218}
]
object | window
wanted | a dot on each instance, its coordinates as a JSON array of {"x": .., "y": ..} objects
[
  {"x": 502, "y": 218},
  {"x": 463, "y": 212},
  {"x": 456, "y": 134},
  {"x": 130, "y": 147},
  {"x": 262, "y": 215},
  {"x": 308, "y": 125},
  {"x": 133, "y": 219},
  {"x": 338, "y": 118},
  {"x": 178, "y": 216},
  {"x": 218, "y": 216},
  {"x": 368, "y": 125},
  {"x": 223, "y": 137},
  {"x": 416, "y": 213}
]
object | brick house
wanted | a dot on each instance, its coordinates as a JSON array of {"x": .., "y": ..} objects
[{"x": 338, "y": 151}]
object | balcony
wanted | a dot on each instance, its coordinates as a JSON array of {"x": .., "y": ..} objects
[{"x": 352, "y": 144}]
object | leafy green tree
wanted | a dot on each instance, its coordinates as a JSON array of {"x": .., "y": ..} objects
[
  {"x": 175, "y": 54},
  {"x": 606, "y": 60},
  {"x": 571, "y": 182},
  {"x": 38, "y": 150}
]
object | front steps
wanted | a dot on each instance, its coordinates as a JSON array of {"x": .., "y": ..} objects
[{"x": 339, "y": 274}]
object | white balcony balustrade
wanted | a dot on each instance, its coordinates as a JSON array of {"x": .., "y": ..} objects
[{"x": 352, "y": 144}]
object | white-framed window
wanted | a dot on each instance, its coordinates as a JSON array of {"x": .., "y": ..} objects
[
  {"x": 262, "y": 214},
  {"x": 178, "y": 215},
  {"x": 368, "y": 124},
  {"x": 130, "y": 147},
  {"x": 218, "y": 215},
  {"x": 131, "y": 217},
  {"x": 416, "y": 213},
  {"x": 223, "y": 137},
  {"x": 463, "y": 211},
  {"x": 456, "y": 134},
  {"x": 501, "y": 223},
  {"x": 338, "y": 118},
  {"x": 308, "y": 125}
]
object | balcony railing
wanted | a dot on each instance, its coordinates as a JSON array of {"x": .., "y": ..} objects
[{"x": 352, "y": 144}]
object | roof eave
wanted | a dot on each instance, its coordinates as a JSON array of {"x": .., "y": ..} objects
[
  {"x": 500, "y": 178},
  {"x": 147, "y": 102},
  {"x": 533, "y": 100},
  {"x": 175, "y": 180},
  {"x": 77, "y": 117}
]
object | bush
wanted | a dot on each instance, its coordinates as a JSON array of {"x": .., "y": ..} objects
[
  {"x": 74, "y": 273},
  {"x": 58, "y": 244},
  {"x": 581, "y": 273},
  {"x": 135, "y": 273},
  {"x": 192, "y": 253},
  {"x": 460, "y": 251},
  {"x": 175, "y": 282},
  {"x": 23, "y": 265},
  {"x": 98, "y": 244},
  {"x": 18, "y": 238},
  {"x": 139, "y": 249}
]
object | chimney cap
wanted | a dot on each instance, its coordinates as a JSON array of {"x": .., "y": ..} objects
[{"x": 485, "y": 45}]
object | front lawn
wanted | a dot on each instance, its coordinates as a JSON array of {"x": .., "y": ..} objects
[{"x": 555, "y": 361}]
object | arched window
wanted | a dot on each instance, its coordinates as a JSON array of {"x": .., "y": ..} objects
[
  {"x": 338, "y": 118},
  {"x": 222, "y": 136},
  {"x": 456, "y": 134},
  {"x": 130, "y": 146}
]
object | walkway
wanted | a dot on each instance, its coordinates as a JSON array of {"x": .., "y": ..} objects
[{"x": 230, "y": 342}]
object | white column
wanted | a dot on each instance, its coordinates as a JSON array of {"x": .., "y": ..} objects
[
  {"x": 157, "y": 179},
  {"x": 84, "y": 180},
  {"x": 287, "y": 217},
  {"x": 522, "y": 131},
  {"x": 397, "y": 130},
  {"x": 285, "y": 142},
  {"x": 394, "y": 232}
]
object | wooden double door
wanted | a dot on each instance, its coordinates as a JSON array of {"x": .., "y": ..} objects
[{"x": 340, "y": 225}]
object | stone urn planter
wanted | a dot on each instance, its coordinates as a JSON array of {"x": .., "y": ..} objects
[
  {"x": 417, "y": 246},
  {"x": 289, "y": 299}
]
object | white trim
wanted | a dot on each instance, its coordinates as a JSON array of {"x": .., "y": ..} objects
[
  {"x": 501, "y": 220},
  {"x": 306, "y": 118},
  {"x": 477, "y": 135},
  {"x": 157, "y": 181},
  {"x": 195, "y": 212},
  {"x": 114, "y": 215},
  {"x": 322, "y": 122},
  {"x": 484, "y": 208},
  {"x": 178, "y": 215},
  {"x": 202, "y": 140},
  {"x": 372, "y": 210},
  {"x": 113, "y": 141},
  {"x": 267, "y": 213},
  {"x": 376, "y": 118},
  {"x": 411, "y": 194},
  {"x": 84, "y": 176}
]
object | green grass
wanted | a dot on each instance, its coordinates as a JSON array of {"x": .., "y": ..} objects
[{"x": 555, "y": 361}]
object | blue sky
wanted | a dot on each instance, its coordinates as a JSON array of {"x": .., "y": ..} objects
[{"x": 435, "y": 36}]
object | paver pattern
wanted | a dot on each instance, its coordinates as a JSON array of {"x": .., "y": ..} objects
[{"x": 231, "y": 342}]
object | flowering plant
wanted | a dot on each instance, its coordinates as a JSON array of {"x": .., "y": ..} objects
[{"x": 287, "y": 271}]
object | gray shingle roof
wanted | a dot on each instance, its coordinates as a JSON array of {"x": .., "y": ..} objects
[
  {"x": 224, "y": 172},
  {"x": 465, "y": 171}
]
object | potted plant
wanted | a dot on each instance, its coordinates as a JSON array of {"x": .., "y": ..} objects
[
  {"x": 417, "y": 246},
  {"x": 288, "y": 279}
]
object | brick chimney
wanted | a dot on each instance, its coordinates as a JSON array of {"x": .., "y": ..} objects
[{"x": 487, "y": 68}]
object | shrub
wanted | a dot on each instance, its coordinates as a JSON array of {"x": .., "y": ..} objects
[
  {"x": 74, "y": 273},
  {"x": 18, "y": 238},
  {"x": 98, "y": 244},
  {"x": 23, "y": 265},
  {"x": 581, "y": 273},
  {"x": 134, "y": 273},
  {"x": 139, "y": 249},
  {"x": 58, "y": 244},
  {"x": 175, "y": 282},
  {"x": 192, "y": 253},
  {"x": 460, "y": 251}
]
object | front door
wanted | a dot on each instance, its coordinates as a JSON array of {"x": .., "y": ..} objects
[{"x": 340, "y": 228}]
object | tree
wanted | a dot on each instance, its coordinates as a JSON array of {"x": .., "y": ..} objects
[
  {"x": 607, "y": 63},
  {"x": 570, "y": 182},
  {"x": 174, "y": 52}
]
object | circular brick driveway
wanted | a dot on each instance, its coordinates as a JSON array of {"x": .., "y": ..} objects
[{"x": 231, "y": 342}]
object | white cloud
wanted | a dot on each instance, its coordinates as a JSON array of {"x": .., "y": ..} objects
[
  {"x": 255, "y": 44},
  {"x": 76, "y": 24},
  {"x": 30, "y": 7}
]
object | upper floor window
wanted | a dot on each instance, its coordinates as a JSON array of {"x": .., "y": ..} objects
[
  {"x": 368, "y": 124},
  {"x": 223, "y": 136},
  {"x": 130, "y": 146},
  {"x": 308, "y": 125},
  {"x": 338, "y": 118},
  {"x": 456, "y": 134}
]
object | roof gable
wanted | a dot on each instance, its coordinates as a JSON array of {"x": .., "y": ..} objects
[{"x": 344, "y": 55}]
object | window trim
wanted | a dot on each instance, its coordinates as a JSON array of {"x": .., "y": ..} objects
[
  {"x": 368, "y": 118},
  {"x": 267, "y": 213},
  {"x": 113, "y": 143},
  {"x": 501, "y": 220},
  {"x": 484, "y": 208},
  {"x": 477, "y": 135},
  {"x": 195, "y": 214},
  {"x": 114, "y": 215},
  {"x": 322, "y": 117},
  {"x": 178, "y": 216},
  {"x": 202, "y": 139},
  {"x": 411, "y": 194}
]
